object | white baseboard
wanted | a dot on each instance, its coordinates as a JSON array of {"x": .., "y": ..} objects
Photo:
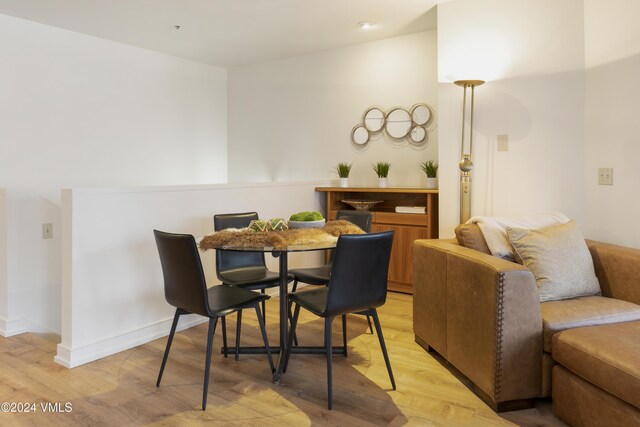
[
  {"x": 72, "y": 357},
  {"x": 9, "y": 328},
  {"x": 37, "y": 328}
]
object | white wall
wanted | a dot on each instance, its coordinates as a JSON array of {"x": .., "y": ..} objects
[
  {"x": 79, "y": 111},
  {"x": 531, "y": 52},
  {"x": 33, "y": 263},
  {"x": 612, "y": 38},
  {"x": 6, "y": 329},
  {"x": 291, "y": 119},
  {"x": 82, "y": 111},
  {"x": 113, "y": 290}
]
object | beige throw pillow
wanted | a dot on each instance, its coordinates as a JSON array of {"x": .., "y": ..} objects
[{"x": 559, "y": 259}]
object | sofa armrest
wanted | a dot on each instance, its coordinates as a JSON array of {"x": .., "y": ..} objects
[
  {"x": 618, "y": 270},
  {"x": 482, "y": 314}
]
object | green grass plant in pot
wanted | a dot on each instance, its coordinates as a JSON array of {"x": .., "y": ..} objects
[
  {"x": 343, "y": 170},
  {"x": 313, "y": 219},
  {"x": 430, "y": 167},
  {"x": 382, "y": 170}
]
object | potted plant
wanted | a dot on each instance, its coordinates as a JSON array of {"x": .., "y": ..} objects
[
  {"x": 343, "y": 170},
  {"x": 306, "y": 219},
  {"x": 382, "y": 170},
  {"x": 430, "y": 167}
]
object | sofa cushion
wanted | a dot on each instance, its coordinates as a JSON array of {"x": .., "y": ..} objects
[
  {"x": 584, "y": 311},
  {"x": 494, "y": 229},
  {"x": 559, "y": 259},
  {"x": 470, "y": 236},
  {"x": 580, "y": 403},
  {"x": 606, "y": 356}
]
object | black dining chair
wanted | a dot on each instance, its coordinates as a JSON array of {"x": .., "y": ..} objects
[
  {"x": 245, "y": 270},
  {"x": 185, "y": 288},
  {"x": 358, "y": 284},
  {"x": 320, "y": 275}
]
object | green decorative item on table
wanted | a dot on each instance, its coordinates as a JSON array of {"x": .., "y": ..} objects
[
  {"x": 382, "y": 169},
  {"x": 306, "y": 220},
  {"x": 273, "y": 224},
  {"x": 430, "y": 167},
  {"x": 307, "y": 216},
  {"x": 343, "y": 170}
]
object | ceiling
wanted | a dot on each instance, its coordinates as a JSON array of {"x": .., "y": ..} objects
[{"x": 231, "y": 32}]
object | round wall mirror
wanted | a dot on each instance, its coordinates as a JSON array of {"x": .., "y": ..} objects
[
  {"x": 418, "y": 134},
  {"x": 374, "y": 119},
  {"x": 398, "y": 123},
  {"x": 360, "y": 135},
  {"x": 420, "y": 114}
]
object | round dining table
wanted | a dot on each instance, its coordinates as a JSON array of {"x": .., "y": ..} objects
[{"x": 282, "y": 253}]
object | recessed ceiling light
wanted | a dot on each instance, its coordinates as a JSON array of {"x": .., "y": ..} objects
[{"x": 364, "y": 25}]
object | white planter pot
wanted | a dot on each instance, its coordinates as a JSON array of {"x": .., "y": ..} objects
[
  {"x": 344, "y": 182},
  {"x": 432, "y": 183},
  {"x": 382, "y": 182}
]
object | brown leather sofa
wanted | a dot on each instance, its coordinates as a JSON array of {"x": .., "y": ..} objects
[
  {"x": 483, "y": 315},
  {"x": 596, "y": 381}
]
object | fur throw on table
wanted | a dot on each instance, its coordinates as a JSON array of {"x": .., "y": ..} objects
[{"x": 247, "y": 238}]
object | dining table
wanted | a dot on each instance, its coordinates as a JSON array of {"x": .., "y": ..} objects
[{"x": 282, "y": 253}]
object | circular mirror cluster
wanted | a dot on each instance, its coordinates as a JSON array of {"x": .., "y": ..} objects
[{"x": 398, "y": 123}]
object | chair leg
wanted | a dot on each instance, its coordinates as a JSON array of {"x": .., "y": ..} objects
[
  {"x": 344, "y": 334},
  {"x": 293, "y": 289},
  {"x": 294, "y": 322},
  {"x": 225, "y": 349},
  {"x": 264, "y": 337},
  {"x": 295, "y": 337},
  {"x": 264, "y": 307},
  {"x": 169, "y": 341},
  {"x": 207, "y": 367},
  {"x": 369, "y": 322},
  {"x": 376, "y": 321},
  {"x": 329, "y": 350},
  {"x": 238, "y": 327}
]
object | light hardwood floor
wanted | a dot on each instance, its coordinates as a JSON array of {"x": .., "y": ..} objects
[{"x": 120, "y": 389}]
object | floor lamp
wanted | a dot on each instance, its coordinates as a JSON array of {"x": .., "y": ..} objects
[{"x": 466, "y": 164}]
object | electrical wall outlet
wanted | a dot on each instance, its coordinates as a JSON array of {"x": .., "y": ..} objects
[
  {"x": 503, "y": 142},
  {"x": 47, "y": 231},
  {"x": 605, "y": 176}
]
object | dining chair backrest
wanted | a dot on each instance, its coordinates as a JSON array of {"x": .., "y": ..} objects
[
  {"x": 231, "y": 260},
  {"x": 185, "y": 286},
  {"x": 359, "y": 274},
  {"x": 360, "y": 218}
]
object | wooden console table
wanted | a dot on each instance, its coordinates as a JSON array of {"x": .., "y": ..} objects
[{"x": 407, "y": 227}]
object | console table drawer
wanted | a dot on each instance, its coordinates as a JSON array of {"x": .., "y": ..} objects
[{"x": 400, "y": 218}]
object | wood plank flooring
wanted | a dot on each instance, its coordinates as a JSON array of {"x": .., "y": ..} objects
[{"x": 120, "y": 390}]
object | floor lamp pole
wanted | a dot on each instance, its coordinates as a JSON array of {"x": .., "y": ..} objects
[{"x": 466, "y": 163}]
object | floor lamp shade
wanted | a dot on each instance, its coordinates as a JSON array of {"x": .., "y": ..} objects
[{"x": 466, "y": 161}]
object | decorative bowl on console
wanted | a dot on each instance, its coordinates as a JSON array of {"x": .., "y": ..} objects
[{"x": 362, "y": 205}]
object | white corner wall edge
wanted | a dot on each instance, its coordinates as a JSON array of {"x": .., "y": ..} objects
[
  {"x": 70, "y": 358},
  {"x": 126, "y": 257},
  {"x": 8, "y": 327}
]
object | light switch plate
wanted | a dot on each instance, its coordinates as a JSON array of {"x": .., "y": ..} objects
[
  {"x": 503, "y": 142},
  {"x": 605, "y": 176},
  {"x": 47, "y": 231}
]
